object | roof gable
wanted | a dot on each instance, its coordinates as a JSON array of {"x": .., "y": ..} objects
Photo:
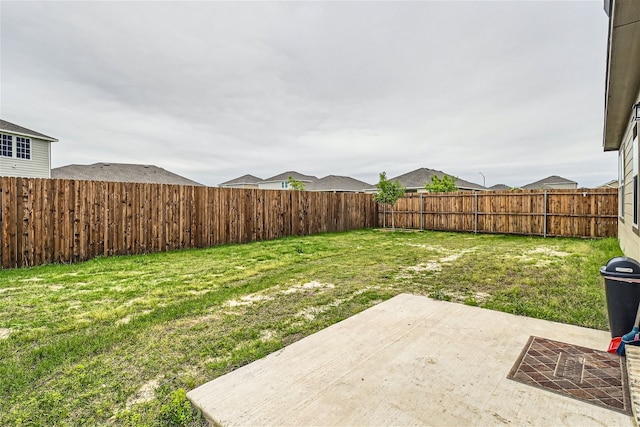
[
  {"x": 420, "y": 177},
  {"x": 13, "y": 128},
  {"x": 550, "y": 180},
  {"x": 499, "y": 187},
  {"x": 244, "y": 179},
  {"x": 337, "y": 183},
  {"x": 296, "y": 175}
]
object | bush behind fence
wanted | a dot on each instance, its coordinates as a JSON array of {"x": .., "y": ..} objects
[
  {"x": 570, "y": 213},
  {"x": 53, "y": 220}
]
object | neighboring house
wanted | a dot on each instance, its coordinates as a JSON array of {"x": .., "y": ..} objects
[
  {"x": 610, "y": 184},
  {"x": 120, "y": 172},
  {"x": 415, "y": 181},
  {"x": 622, "y": 95},
  {"x": 281, "y": 181},
  {"x": 338, "y": 184},
  {"x": 553, "y": 182},
  {"x": 245, "y": 181},
  {"x": 24, "y": 152},
  {"x": 499, "y": 187}
]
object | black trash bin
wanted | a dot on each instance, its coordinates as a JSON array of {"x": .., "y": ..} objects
[{"x": 622, "y": 287}]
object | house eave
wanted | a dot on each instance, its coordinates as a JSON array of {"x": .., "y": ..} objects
[
  {"x": 30, "y": 135},
  {"x": 623, "y": 70}
]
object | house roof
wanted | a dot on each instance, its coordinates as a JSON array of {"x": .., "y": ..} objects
[
  {"x": 337, "y": 183},
  {"x": 13, "y": 128},
  {"x": 550, "y": 180},
  {"x": 611, "y": 184},
  {"x": 623, "y": 69},
  {"x": 296, "y": 175},
  {"x": 244, "y": 179},
  {"x": 120, "y": 172},
  {"x": 499, "y": 187},
  {"x": 419, "y": 177}
]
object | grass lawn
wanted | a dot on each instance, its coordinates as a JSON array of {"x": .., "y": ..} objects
[{"x": 115, "y": 340}]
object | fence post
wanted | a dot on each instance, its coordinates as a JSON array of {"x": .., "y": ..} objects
[
  {"x": 475, "y": 228},
  {"x": 544, "y": 233},
  {"x": 421, "y": 210}
]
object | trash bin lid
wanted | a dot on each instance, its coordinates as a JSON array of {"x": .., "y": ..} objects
[{"x": 621, "y": 267}]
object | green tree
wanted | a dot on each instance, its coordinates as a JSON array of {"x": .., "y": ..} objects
[
  {"x": 295, "y": 184},
  {"x": 446, "y": 184},
  {"x": 388, "y": 193}
]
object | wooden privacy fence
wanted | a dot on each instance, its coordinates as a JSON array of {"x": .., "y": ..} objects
[
  {"x": 51, "y": 220},
  {"x": 575, "y": 213}
]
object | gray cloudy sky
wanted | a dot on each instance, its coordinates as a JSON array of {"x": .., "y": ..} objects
[{"x": 215, "y": 90}]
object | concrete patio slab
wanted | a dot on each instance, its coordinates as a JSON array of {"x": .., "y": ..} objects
[{"x": 408, "y": 361}]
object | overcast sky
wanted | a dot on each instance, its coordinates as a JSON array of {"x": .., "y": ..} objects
[{"x": 215, "y": 90}]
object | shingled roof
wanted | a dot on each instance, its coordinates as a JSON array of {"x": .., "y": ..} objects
[
  {"x": 337, "y": 183},
  {"x": 499, "y": 187},
  {"x": 13, "y": 128},
  {"x": 242, "y": 180},
  {"x": 418, "y": 178},
  {"x": 120, "y": 172},
  {"x": 296, "y": 175},
  {"x": 548, "y": 182}
]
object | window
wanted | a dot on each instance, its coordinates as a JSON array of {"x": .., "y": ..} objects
[
  {"x": 23, "y": 148},
  {"x": 6, "y": 145}
]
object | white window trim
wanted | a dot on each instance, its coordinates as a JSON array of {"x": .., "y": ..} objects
[
  {"x": 15, "y": 149},
  {"x": 13, "y": 146}
]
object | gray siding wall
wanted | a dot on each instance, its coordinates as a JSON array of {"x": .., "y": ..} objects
[
  {"x": 37, "y": 167},
  {"x": 628, "y": 233}
]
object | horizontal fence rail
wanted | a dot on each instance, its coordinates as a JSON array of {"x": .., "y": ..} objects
[
  {"x": 53, "y": 220},
  {"x": 571, "y": 213}
]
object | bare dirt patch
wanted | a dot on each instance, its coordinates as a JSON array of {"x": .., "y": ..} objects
[
  {"x": 134, "y": 301},
  {"x": 267, "y": 335},
  {"x": 481, "y": 296},
  {"x": 248, "y": 300},
  {"x": 146, "y": 393},
  {"x": 454, "y": 257},
  {"x": 549, "y": 252},
  {"x": 429, "y": 266},
  {"x": 436, "y": 265},
  {"x": 127, "y": 319},
  {"x": 4, "y": 333},
  {"x": 197, "y": 320},
  {"x": 310, "y": 313},
  {"x": 540, "y": 255},
  {"x": 123, "y": 321},
  {"x": 307, "y": 286},
  {"x": 425, "y": 246}
]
